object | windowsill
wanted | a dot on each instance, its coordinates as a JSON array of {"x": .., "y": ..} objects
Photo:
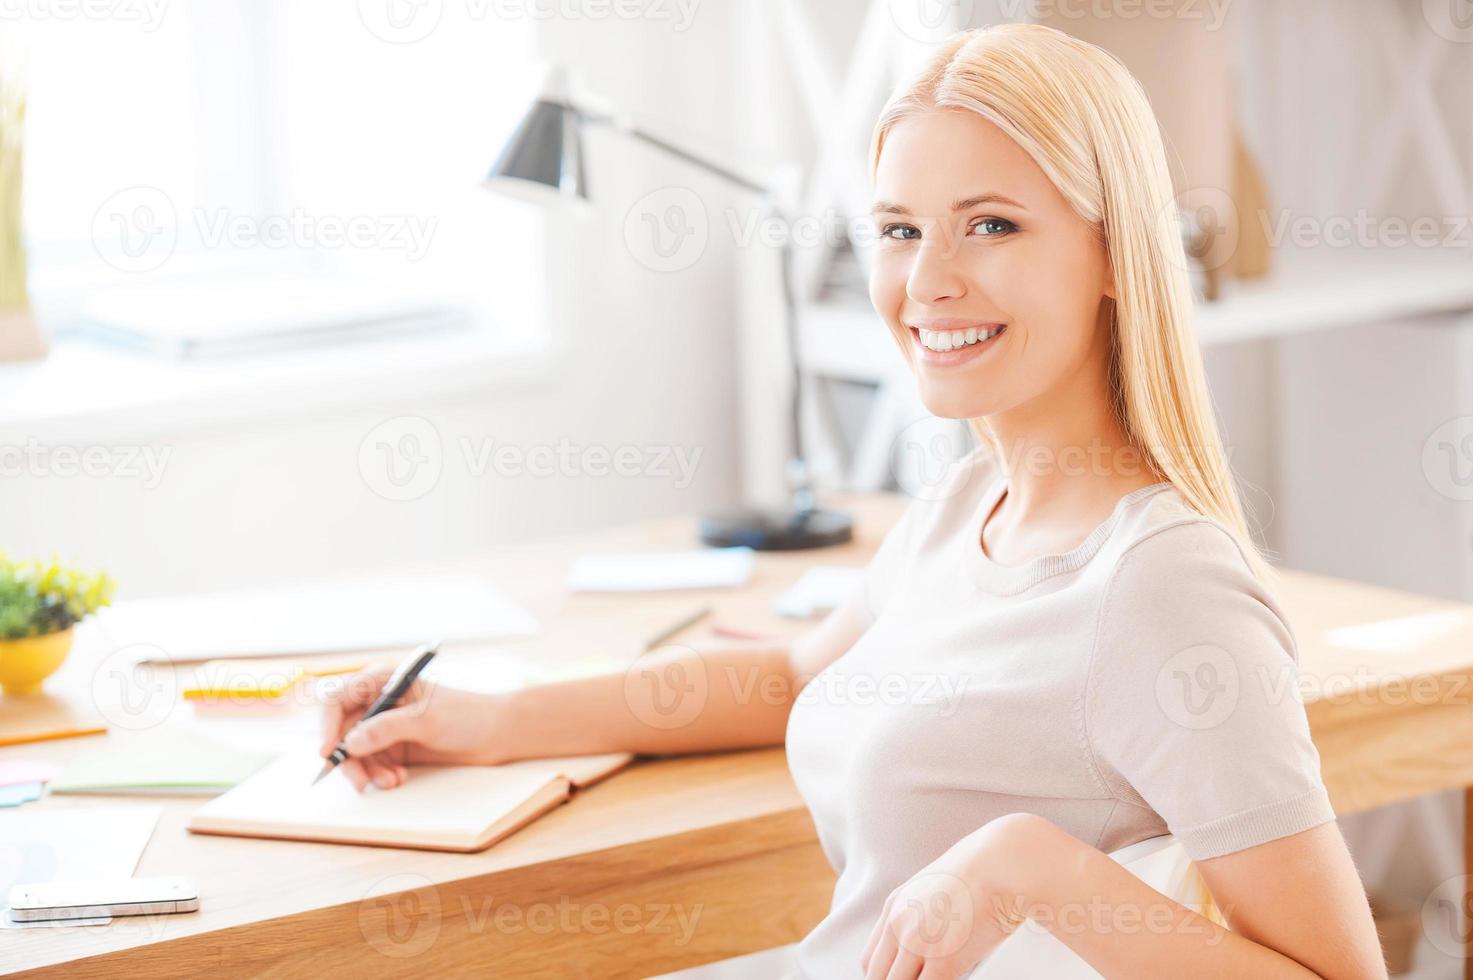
[{"x": 86, "y": 392}]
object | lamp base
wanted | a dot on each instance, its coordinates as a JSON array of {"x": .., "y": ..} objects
[{"x": 764, "y": 530}]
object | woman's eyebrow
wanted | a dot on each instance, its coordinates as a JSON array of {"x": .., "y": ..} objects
[
  {"x": 967, "y": 203},
  {"x": 960, "y": 204}
]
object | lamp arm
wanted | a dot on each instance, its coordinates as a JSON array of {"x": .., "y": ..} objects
[{"x": 660, "y": 143}]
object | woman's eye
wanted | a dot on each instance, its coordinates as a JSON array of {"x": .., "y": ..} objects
[
  {"x": 900, "y": 232},
  {"x": 993, "y": 227}
]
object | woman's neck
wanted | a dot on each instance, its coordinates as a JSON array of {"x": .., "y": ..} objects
[{"x": 1067, "y": 455}]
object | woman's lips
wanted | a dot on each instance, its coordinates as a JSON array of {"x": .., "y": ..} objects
[{"x": 956, "y": 356}]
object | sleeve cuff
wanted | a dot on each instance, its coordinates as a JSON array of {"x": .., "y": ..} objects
[{"x": 1257, "y": 826}]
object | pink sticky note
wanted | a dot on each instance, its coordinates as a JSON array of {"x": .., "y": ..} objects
[{"x": 16, "y": 771}]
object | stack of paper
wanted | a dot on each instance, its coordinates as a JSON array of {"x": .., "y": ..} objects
[
  {"x": 161, "y": 762},
  {"x": 317, "y": 617}
]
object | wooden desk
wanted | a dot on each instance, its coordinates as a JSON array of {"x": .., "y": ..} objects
[{"x": 677, "y": 862}]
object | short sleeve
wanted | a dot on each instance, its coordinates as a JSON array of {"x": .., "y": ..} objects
[
  {"x": 1193, "y": 707},
  {"x": 876, "y": 583}
]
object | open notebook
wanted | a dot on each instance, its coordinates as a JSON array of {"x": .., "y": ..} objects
[{"x": 440, "y": 808}]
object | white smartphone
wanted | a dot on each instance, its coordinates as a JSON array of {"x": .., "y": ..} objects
[{"x": 102, "y": 897}]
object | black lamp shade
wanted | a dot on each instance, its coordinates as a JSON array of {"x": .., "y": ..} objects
[{"x": 545, "y": 149}]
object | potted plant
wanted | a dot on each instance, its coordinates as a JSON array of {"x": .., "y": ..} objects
[
  {"x": 40, "y": 602},
  {"x": 20, "y": 336}
]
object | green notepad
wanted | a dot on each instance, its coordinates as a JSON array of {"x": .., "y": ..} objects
[{"x": 163, "y": 762}]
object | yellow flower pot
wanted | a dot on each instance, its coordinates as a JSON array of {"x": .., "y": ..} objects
[{"x": 24, "y": 664}]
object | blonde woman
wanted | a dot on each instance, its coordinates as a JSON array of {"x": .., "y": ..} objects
[{"x": 1068, "y": 646}]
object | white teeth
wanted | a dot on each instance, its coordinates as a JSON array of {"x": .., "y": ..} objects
[{"x": 946, "y": 340}]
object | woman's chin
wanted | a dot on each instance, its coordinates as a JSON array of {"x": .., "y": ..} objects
[{"x": 945, "y": 402}]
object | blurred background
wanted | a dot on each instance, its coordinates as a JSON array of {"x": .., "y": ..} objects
[{"x": 263, "y": 314}]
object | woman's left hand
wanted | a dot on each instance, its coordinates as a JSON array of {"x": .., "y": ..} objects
[{"x": 956, "y": 910}]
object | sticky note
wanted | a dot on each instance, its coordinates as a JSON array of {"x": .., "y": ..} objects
[
  {"x": 14, "y": 771},
  {"x": 243, "y": 679},
  {"x": 20, "y": 793}
]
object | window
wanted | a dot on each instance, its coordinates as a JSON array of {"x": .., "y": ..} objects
[{"x": 186, "y": 139}]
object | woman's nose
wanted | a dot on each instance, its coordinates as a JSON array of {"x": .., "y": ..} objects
[{"x": 936, "y": 273}]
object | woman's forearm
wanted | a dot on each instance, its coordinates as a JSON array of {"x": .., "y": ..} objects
[
  {"x": 1118, "y": 923},
  {"x": 672, "y": 701}
]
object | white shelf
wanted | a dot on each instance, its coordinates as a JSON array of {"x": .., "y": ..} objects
[
  {"x": 1332, "y": 288},
  {"x": 1308, "y": 291}
]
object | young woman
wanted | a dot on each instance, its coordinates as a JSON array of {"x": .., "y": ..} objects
[{"x": 1069, "y": 646}]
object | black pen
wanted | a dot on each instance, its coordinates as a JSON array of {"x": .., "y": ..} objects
[{"x": 394, "y": 690}]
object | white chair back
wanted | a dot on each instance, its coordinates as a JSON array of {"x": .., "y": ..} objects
[{"x": 1033, "y": 951}]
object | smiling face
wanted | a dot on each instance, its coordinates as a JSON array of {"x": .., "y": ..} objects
[{"x": 993, "y": 286}]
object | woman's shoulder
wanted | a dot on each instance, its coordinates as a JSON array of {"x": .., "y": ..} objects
[
  {"x": 1160, "y": 532},
  {"x": 1171, "y": 564}
]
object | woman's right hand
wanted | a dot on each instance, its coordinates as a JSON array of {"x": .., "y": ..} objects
[{"x": 432, "y": 724}]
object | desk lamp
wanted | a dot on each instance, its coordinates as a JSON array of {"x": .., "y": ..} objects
[{"x": 546, "y": 149}]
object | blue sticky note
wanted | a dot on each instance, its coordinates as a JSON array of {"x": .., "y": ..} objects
[{"x": 20, "y": 793}]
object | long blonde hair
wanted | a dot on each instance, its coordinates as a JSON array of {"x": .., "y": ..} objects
[{"x": 1085, "y": 120}]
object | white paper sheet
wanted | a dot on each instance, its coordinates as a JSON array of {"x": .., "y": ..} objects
[
  {"x": 370, "y": 613},
  {"x": 68, "y": 845},
  {"x": 819, "y": 590},
  {"x": 707, "y": 568}
]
